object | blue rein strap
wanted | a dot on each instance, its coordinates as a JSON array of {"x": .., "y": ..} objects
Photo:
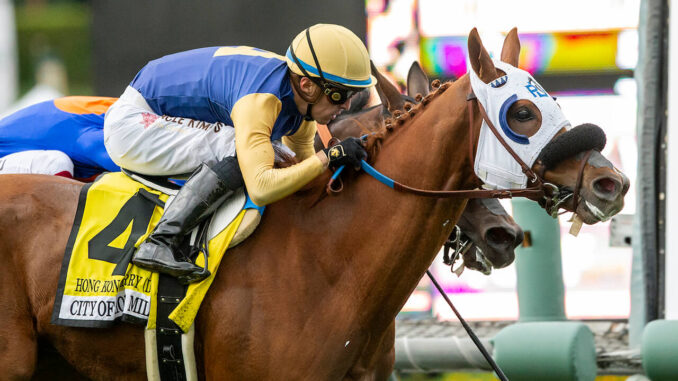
[
  {"x": 534, "y": 193},
  {"x": 331, "y": 187},
  {"x": 337, "y": 173},
  {"x": 376, "y": 174},
  {"x": 368, "y": 169},
  {"x": 508, "y": 193},
  {"x": 373, "y": 172}
]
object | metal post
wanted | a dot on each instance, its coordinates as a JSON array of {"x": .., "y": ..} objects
[{"x": 541, "y": 292}]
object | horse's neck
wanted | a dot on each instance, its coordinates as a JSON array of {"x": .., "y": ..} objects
[
  {"x": 401, "y": 233},
  {"x": 382, "y": 241}
]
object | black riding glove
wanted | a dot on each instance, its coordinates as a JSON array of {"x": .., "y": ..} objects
[{"x": 347, "y": 152}]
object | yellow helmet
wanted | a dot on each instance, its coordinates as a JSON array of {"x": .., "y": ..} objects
[{"x": 332, "y": 53}]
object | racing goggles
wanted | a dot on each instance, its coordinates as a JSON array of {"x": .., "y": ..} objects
[{"x": 338, "y": 95}]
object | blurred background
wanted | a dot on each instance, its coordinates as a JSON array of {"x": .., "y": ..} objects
[{"x": 587, "y": 59}]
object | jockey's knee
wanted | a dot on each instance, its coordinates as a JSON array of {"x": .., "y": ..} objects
[
  {"x": 228, "y": 171},
  {"x": 123, "y": 123},
  {"x": 49, "y": 162},
  {"x": 61, "y": 164}
]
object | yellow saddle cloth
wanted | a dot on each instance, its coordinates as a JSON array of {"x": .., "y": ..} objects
[{"x": 98, "y": 284}]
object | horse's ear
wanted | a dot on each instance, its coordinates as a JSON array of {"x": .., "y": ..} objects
[
  {"x": 510, "y": 52},
  {"x": 480, "y": 59},
  {"x": 390, "y": 96},
  {"x": 380, "y": 92},
  {"x": 417, "y": 81}
]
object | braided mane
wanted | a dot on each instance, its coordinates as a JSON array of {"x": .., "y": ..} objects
[{"x": 401, "y": 117}]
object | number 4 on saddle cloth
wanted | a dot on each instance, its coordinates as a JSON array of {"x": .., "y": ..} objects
[{"x": 98, "y": 284}]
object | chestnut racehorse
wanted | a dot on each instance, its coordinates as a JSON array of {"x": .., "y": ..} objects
[
  {"x": 491, "y": 235},
  {"x": 312, "y": 294}
]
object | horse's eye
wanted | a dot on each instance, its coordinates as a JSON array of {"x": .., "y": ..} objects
[{"x": 523, "y": 115}]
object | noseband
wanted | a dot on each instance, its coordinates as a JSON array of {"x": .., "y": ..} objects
[{"x": 558, "y": 197}]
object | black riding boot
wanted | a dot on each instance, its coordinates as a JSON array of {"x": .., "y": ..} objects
[{"x": 203, "y": 192}]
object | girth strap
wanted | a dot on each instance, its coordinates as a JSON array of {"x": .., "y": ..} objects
[{"x": 168, "y": 334}]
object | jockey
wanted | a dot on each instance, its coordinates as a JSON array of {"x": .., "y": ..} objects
[
  {"x": 61, "y": 137},
  {"x": 195, "y": 111}
]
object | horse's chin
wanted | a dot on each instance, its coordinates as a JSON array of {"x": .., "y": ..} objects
[
  {"x": 591, "y": 213},
  {"x": 476, "y": 260}
]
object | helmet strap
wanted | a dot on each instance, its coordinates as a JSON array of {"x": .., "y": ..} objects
[
  {"x": 296, "y": 84},
  {"x": 308, "y": 116},
  {"x": 315, "y": 58},
  {"x": 320, "y": 83},
  {"x": 296, "y": 79}
]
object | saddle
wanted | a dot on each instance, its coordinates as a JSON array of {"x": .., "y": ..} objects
[
  {"x": 98, "y": 286},
  {"x": 222, "y": 217}
]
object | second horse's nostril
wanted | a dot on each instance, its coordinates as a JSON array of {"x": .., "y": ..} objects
[{"x": 499, "y": 236}]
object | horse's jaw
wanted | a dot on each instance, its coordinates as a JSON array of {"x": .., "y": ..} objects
[{"x": 592, "y": 209}]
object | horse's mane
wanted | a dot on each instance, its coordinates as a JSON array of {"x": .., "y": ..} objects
[{"x": 401, "y": 117}]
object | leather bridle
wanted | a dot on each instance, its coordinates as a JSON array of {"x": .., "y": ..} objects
[
  {"x": 549, "y": 196},
  {"x": 459, "y": 243}
]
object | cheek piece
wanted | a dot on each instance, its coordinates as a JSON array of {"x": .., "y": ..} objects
[{"x": 582, "y": 138}]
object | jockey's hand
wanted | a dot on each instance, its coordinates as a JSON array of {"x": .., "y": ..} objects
[{"x": 350, "y": 151}]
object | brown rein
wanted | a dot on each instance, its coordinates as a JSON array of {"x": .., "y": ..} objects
[{"x": 534, "y": 193}]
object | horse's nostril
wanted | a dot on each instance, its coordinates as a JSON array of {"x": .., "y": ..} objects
[
  {"x": 605, "y": 186},
  {"x": 499, "y": 236}
]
